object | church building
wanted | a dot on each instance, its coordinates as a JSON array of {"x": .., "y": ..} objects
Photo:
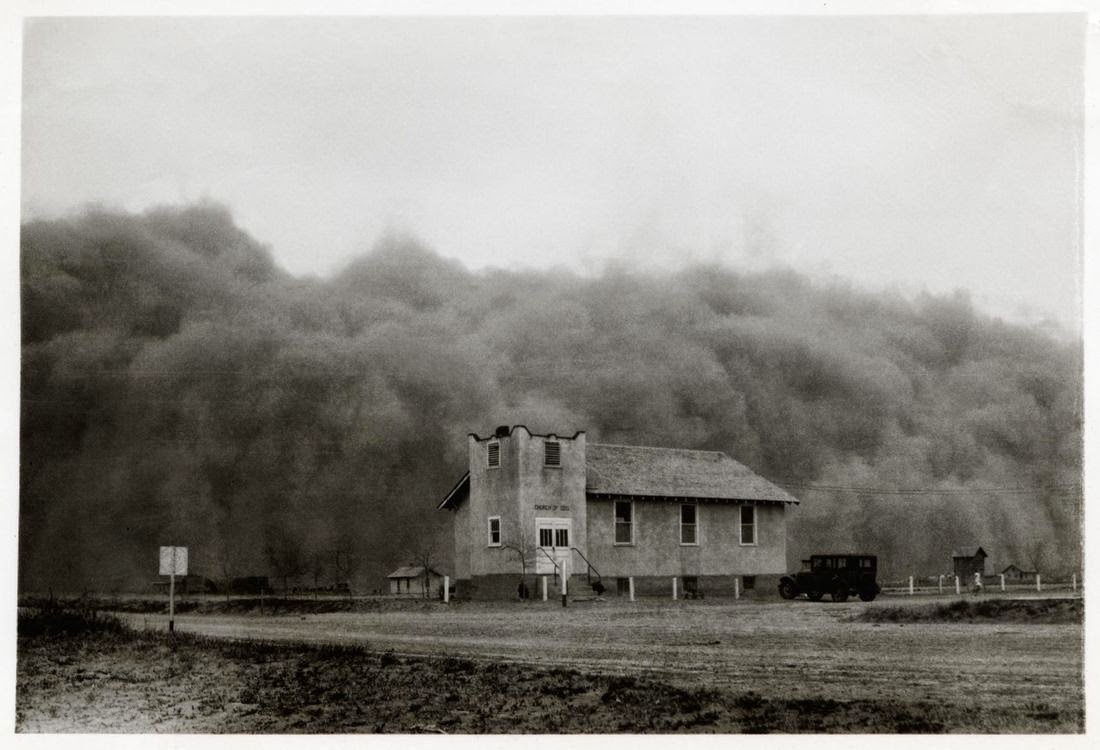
[{"x": 543, "y": 505}]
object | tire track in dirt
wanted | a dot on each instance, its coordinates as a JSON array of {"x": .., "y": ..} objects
[{"x": 783, "y": 649}]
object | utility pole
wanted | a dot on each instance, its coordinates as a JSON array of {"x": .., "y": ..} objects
[
  {"x": 172, "y": 560},
  {"x": 172, "y": 595}
]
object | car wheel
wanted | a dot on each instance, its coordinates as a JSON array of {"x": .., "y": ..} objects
[
  {"x": 840, "y": 593},
  {"x": 815, "y": 596},
  {"x": 867, "y": 595},
  {"x": 787, "y": 589}
]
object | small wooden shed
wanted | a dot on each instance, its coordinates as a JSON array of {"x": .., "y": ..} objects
[
  {"x": 1013, "y": 574},
  {"x": 968, "y": 561},
  {"x": 411, "y": 580}
]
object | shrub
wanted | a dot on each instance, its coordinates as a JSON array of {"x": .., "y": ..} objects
[{"x": 63, "y": 621}]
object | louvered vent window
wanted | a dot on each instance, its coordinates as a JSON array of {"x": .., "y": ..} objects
[
  {"x": 553, "y": 454},
  {"x": 494, "y": 455}
]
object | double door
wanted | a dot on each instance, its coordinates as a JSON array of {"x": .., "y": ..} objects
[{"x": 552, "y": 536}]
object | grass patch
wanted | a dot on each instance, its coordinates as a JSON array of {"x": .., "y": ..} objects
[
  {"x": 54, "y": 620},
  {"x": 269, "y": 605},
  {"x": 1037, "y": 611}
]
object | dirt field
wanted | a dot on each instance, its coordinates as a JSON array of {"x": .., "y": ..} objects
[{"x": 739, "y": 663}]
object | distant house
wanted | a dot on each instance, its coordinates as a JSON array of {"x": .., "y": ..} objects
[
  {"x": 968, "y": 561},
  {"x": 1014, "y": 574},
  {"x": 611, "y": 513},
  {"x": 410, "y": 581}
]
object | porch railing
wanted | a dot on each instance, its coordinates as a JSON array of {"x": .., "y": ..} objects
[
  {"x": 591, "y": 567},
  {"x": 557, "y": 571}
]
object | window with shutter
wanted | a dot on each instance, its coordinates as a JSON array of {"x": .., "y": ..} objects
[{"x": 494, "y": 455}]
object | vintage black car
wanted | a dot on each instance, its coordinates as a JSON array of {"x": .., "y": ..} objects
[{"x": 835, "y": 575}]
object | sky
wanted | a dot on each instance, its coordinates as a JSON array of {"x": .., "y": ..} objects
[{"x": 896, "y": 152}]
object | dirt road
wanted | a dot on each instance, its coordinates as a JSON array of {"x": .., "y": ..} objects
[{"x": 781, "y": 649}]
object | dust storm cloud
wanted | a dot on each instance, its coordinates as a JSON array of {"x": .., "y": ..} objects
[{"x": 178, "y": 387}]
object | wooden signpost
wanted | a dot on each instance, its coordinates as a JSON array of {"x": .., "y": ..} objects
[{"x": 173, "y": 562}]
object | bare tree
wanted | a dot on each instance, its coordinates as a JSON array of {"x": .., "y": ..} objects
[
  {"x": 344, "y": 562},
  {"x": 1035, "y": 553},
  {"x": 226, "y": 567},
  {"x": 525, "y": 554},
  {"x": 316, "y": 569},
  {"x": 284, "y": 555},
  {"x": 229, "y": 562},
  {"x": 425, "y": 553}
]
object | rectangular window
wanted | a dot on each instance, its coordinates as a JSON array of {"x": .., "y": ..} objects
[
  {"x": 494, "y": 455},
  {"x": 494, "y": 531},
  {"x": 748, "y": 524},
  {"x": 689, "y": 530},
  {"x": 624, "y": 522},
  {"x": 553, "y": 454},
  {"x": 546, "y": 538},
  {"x": 561, "y": 538}
]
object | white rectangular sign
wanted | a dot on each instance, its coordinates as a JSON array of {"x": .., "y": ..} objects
[{"x": 173, "y": 560}]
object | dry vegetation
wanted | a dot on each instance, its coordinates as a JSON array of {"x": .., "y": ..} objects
[
  {"x": 453, "y": 670},
  {"x": 1003, "y": 610}
]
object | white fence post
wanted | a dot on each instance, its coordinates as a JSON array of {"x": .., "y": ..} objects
[
  {"x": 910, "y": 585},
  {"x": 736, "y": 588},
  {"x": 941, "y": 584},
  {"x": 673, "y": 588},
  {"x": 544, "y": 588},
  {"x": 1073, "y": 581},
  {"x": 564, "y": 582},
  {"x": 1038, "y": 582},
  {"x": 1002, "y": 581},
  {"x": 446, "y": 589},
  {"x": 630, "y": 580},
  {"x": 957, "y": 589}
]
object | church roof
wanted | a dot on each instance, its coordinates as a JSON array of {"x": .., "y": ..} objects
[
  {"x": 643, "y": 472},
  {"x": 674, "y": 472}
]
